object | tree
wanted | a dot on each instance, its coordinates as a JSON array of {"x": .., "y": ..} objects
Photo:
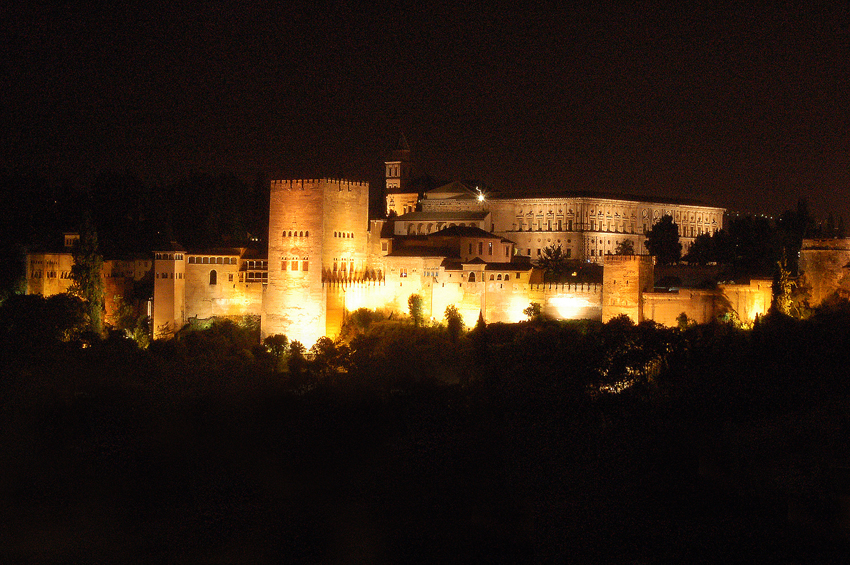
[
  {"x": 454, "y": 322},
  {"x": 533, "y": 311},
  {"x": 86, "y": 274},
  {"x": 702, "y": 251},
  {"x": 625, "y": 247},
  {"x": 415, "y": 305},
  {"x": 662, "y": 241},
  {"x": 296, "y": 363},
  {"x": 553, "y": 261},
  {"x": 277, "y": 345}
]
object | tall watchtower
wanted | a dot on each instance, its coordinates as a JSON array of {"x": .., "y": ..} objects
[
  {"x": 399, "y": 172},
  {"x": 316, "y": 228},
  {"x": 169, "y": 290},
  {"x": 625, "y": 278}
]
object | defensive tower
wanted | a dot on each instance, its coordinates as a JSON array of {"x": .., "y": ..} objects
[{"x": 317, "y": 230}]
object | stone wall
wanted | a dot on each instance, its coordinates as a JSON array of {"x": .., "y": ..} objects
[
  {"x": 314, "y": 226},
  {"x": 825, "y": 268},
  {"x": 169, "y": 309},
  {"x": 625, "y": 279}
]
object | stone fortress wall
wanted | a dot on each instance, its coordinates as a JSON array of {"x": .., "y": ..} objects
[{"x": 825, "y": 266}]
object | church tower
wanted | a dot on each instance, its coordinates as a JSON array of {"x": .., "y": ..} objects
[{"x": 401, "y": 199}]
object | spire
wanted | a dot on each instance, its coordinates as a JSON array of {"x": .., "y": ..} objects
[{"x": 402, "y": 143}]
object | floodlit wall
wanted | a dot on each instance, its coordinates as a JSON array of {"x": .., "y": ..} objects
[
  {"x": 824, "y": 266},
  {"x": 315, "y": 226},
  {"x": 228, "y": 295},
  {"x": 49, "y": 273},
  {"x": 169, "y": 309},
  {"x": 665, "y": 307},
  {"x": 746, "y": 301},
  {"x": 625, "y": 278}
]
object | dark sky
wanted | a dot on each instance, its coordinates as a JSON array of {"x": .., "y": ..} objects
[{"x": 745, "y": 108}]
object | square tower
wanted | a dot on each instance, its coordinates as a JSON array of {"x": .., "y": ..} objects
[
  {"x": 317, "y": 231},
  {"x": 625, "y": 278}
]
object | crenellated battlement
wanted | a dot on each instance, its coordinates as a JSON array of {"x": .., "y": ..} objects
[
  {"x": 354, "y": 284},
  {"x": 310, "y": 184},
  {"x": 629, "y": 258},
  {"x": 590, "y": 288}
]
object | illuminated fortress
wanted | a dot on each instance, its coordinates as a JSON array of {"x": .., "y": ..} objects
[{"x": 451, "y": 245}]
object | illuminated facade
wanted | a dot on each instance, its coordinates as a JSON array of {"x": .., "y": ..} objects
[
  {"x": 49, "y": 273},
  {"x": 451, "y": 245},
  {"x": 586, "y": 226}
]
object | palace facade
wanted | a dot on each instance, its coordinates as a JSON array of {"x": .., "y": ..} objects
[{"x": 451, "y": 245}]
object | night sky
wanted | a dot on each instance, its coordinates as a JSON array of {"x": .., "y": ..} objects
[{"x": 745, "y": 108}]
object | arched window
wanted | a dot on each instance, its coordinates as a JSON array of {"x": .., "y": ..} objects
[
  {"x": 213, "y": 277},
  {"x": 491, "y": 278},
  {"x": 471, "y": 277},
  {"x": 498, "y": 277}
]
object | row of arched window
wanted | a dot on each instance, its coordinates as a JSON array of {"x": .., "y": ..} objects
[
  {"x": 212, "y": 260},
  {"x": 344, "y": 234},
  {"x": 294, "y": 264},
  {"x": 343, "y": 264},
  {"x": 170, "y": 256},
  {"x": 493, "y": 277},
  {"x": 293, "y": 233}
]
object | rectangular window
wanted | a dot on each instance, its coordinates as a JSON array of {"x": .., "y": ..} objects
[
  {"x": 293, "y": 265},
  {"x": 229, "y": 277},
  {"x": 481, "y": 248},
  {"x": 470, "y": 249},
  {"x": 305, "y": 265},
  {"x": 490, "y": 248},
  {"x": 383, "y": 246}
]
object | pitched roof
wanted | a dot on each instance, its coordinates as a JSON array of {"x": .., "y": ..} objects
[
  {"x": 464, "y": 231},
  {"x": 537, "y": 193},
  {"x": 422, "y": 251},
  {"x": 402, "y": 143},
  {"x": 461, "y": 216},
  {"x": 455, "y": 187}
]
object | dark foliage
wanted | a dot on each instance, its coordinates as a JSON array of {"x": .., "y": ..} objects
[
  {"x": 399, "y": 446},
  {"x": 662, "y": 241}
]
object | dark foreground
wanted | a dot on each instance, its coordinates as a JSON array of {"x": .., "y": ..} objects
[{"x": 512, "y": 466}]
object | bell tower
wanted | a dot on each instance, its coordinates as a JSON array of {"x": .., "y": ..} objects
[{"x": 399, "y": 171}]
